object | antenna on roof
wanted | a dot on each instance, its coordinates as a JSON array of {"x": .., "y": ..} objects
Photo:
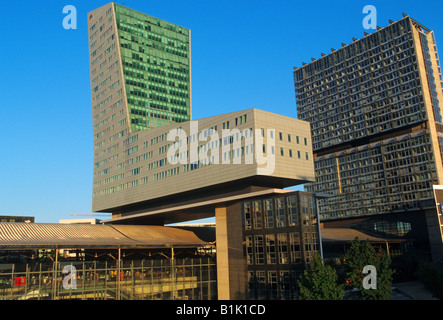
[{"x": 89, "y": 215}]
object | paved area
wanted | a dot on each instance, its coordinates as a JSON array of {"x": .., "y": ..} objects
[{"x": 413, "y": 290}]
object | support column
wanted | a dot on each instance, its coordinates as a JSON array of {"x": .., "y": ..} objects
[{"x": 231, "y": 265}]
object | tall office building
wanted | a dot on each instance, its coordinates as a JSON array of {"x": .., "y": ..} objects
[
  {"x": 153, "y": 61},
  {"x": 141, "y": 98},
  {"x": 375, "y": 111}
]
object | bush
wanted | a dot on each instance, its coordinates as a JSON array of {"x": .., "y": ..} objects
[
  {"x": 319, "y": 282},
  {"x": 360, "y": 254},
  {"x": 432, "y": 277}
]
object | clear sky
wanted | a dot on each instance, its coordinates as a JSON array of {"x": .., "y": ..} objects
[{"x": 243, "y": 53}]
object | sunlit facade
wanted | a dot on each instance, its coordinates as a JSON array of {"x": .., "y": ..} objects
[{"x": 375, "y": 111}]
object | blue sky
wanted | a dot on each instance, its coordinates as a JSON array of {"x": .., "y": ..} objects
[{"x": 243, "y": 53}]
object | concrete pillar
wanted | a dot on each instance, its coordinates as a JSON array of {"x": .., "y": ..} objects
[{"x": 231, "y": 265}]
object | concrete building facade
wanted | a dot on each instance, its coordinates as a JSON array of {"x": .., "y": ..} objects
[{"x": 375, "y": 111}]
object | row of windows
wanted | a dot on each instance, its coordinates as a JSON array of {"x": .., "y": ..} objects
[
  {"x": 165, "y": 52},
  {"x": 292, "y": 220},
  {"x": 387, "y": 38},
  {"x": 340, "y": 110},
  {"x": 272, "y": 284},
  {"x": 236, "y": 136},
  {"x": 284, "y": 137},
  {"x": 280, "y": 248},
  {"x": 279, "y": 212},
  {"x": 391, "y": 177}
]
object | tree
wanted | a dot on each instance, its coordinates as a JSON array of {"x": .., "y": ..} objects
[
  {"x": 359, "y": 255},
  {"x": 432, "y": 277},
  {"x": 319, "y": 282}
]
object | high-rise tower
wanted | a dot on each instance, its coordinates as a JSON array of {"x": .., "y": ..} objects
[
  {"x": 147, "y": 60},
  {"x": 375, "y": 111}
]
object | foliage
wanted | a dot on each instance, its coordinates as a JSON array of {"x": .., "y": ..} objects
[
  {"x": 359, "y": 255},
  {"x": 319, "y": 282},
  {"x": 432, "y": 277}
]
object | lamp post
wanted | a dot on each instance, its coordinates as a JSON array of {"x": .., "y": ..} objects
[{"x": 317, "y": 197}]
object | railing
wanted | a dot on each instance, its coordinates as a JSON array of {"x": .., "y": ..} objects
[{"x": 173, "y": 279}]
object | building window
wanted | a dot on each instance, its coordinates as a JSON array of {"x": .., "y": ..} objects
[
  {"x": 257, "y": 215},
  {"x": 294, "y": 245},
  {"x": 270, "y": 249},
  {"x": 249, "y": 250},
  {"x": 251, "y": 284},
  {"x": 285, "y": 285},
  {"x": 282, "y": 152},
  {"x": 289, "y": 138},
  {"x": 315, "y": 243},
  {"x": 282, "y": 239},
  {"x": 281, "y": 136},
  {"x": 269, "y": 214},
  {"x": 305, "y": 210},
  {"x": 272, "y": 284},
  {"x": 259, "y": 249},
  {"x": 280, "y": 212},
  {"x": 309, "y": 248},
  {"x": 292, "y": 211},
  {"x": 261, "y": 283},
  {"x": 247, "y": 215}
]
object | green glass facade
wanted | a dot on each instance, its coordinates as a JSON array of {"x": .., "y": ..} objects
[{"x": 156, "y": 67}]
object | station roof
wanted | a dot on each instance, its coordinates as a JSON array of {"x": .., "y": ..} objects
[
  {"x": 345, "y": 235},
  {"x": 51, "y": 235}
]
